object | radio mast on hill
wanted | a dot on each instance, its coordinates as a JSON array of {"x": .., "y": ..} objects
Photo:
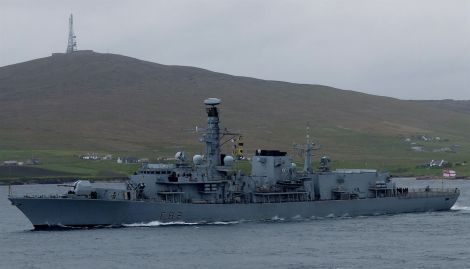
[{"x": 72, "y": 43}]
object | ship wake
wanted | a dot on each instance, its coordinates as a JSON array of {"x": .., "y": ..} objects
[{"x": 178, "y": 223}]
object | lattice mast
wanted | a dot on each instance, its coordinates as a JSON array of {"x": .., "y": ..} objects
[
  {"x": 72, "y": 42},
  {"x": 307, "y": 151}
]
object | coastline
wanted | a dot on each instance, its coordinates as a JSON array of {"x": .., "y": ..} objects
[{"x": 441, "y": 178}]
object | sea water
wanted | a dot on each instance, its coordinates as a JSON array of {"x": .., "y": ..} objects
[{"x": 417, "y": 240}]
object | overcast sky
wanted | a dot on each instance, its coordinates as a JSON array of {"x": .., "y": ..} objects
[{"x": 405, "y": 49}]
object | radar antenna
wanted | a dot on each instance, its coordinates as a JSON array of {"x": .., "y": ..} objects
[{"x": 72, "y": 42}]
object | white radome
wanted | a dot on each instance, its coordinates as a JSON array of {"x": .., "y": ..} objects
[
  {"x": 212, "y": 101},
  {"x": 197, "y": 159},
  {"x": 180, "y": 156},
  {"x": 228, "y": 160}
]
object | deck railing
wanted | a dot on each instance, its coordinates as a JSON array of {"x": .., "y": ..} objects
[{"x": 50, "y": 196}]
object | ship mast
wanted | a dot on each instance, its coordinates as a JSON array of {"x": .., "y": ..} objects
[
  {"x": 308, "y": 154},
  {"x": 307, "y": 150},
  {"x": 211, "y": 137}
]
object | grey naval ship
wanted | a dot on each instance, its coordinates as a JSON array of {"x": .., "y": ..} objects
[{"x": 210, "y": 189}]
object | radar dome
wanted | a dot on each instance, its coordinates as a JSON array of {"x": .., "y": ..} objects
[
  {"x": 212, "y": 101},
  {"x": 197, "y": 159},
  {"x": 179, "y": 156},
  {"x": 228, "y": 160}
]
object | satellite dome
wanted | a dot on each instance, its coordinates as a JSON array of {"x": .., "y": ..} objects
[
  {"x": 212, "y": 101},
  {"x": 197, "y": 159},
  {"x": 228, "y": 160},
  {"x": 180, "y": 156}
]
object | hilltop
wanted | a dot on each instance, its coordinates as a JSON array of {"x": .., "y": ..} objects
[{"x": 97, "y": 101}]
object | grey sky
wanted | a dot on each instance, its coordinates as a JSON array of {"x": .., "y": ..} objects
[{"x": 405, "y": 49}]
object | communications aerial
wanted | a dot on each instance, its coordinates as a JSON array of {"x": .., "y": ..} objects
[{"x": 72, "y": 40}]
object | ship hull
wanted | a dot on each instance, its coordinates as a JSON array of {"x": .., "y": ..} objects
[{"x": 47, "y": 213}]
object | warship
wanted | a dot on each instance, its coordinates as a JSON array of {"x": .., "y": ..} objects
[{"x": 209, "y": 188}]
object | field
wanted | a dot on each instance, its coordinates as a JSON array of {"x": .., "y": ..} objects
[
  {"x": 61, "y": 164},
  {"x": 347, "y": 149}
]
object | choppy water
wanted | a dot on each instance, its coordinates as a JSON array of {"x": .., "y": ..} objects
[{"x": 422, "y": 240}]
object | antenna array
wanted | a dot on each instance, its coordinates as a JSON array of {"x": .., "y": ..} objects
[{"x": 72, "y": 42}]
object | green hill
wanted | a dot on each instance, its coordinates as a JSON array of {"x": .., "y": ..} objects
[{"x": 90, "y": 101}]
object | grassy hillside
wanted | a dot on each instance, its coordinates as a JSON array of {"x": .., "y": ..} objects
[{"x": 86, "y": 101}]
